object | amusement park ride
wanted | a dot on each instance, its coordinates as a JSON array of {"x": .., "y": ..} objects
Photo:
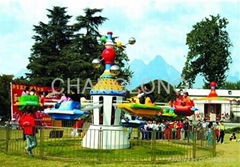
[{"x": 107, "y": 106}]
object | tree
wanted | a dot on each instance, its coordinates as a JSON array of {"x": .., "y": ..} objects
[
  {"x": 66, "y": 51},
  {"x": 231, "y": 85},
  {"x": 208, "y": 53},
  {"x": 5, "y": 97},
  {"x": 86, "y": 47},
  {"x": 89, "y": 22},
  {"x": 46, "y": 60},
  {"x": 162, "y": 90}
]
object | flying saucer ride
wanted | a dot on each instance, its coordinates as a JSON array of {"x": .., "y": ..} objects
[{"x": 28, "y": 102}]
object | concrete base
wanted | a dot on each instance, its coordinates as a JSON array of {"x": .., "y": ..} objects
[{"x": 105, "y": 137}]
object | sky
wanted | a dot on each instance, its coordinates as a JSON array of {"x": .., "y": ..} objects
[{"x": 159, "y": 26}]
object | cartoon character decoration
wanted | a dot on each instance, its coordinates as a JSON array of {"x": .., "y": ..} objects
[
  {"x": 213, "y": 92},
  {"x": 109, "y": 53}
]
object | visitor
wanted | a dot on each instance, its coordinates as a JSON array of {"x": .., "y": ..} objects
[
  {"x": 171, "y": 126},
  {"x": 148, "y": 96},
  {"x": 190, "y": 130},
  {"x": 204, "y": 124},
  {"x": 167, "y": 131},
  {"x": 161, "y": 130},
  {"x": 28, "y": 124},
  {"x": 145, "y": 132},
  {"x": 32, "y": 92},
  {"x": 180, "y": 130},
  {"x": 186, "y": 99},
  {"x": 209, "y": 134},
  {"x": 199, "y": 129},
  {"x": 140, "y": 92},
  {"x": 26, "y": 91},
  {"x": 186, "y": 129},
  {"x": 179, "y": 96},
  {"x": 222, "y": 132},
  {"x": 204, "y": 128},
  {"x": 217, "y": 130},
  {"x": 77, "y": 128},
  {"x": 138, "y": 97},
  {"x": 142, "y": 130},
  {"x": 153, "y": 130},
  {"x": 41, "y": 98},
  {"x": 75, "y": 96},
  {"x": 157, "y": 129},
  {"x": 64, "y": 98},
  {"x": 233, "y": 137},
  {"x": 174, "y": 129},
  {"x": 150, "y": 130}
]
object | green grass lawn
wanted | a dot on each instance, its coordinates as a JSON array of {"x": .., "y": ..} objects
[{"x": 228, "y": 154}]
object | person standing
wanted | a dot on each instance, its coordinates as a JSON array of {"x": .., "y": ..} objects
[
  {"x": 217, "y": 130},
  {"x": 146, "y": 131},
  {"x": 28, "y": 124},
  {"x": 142, "y": 130},
  {"x": 204, "y": 125},
  {"x": 199, "y": 128},
  {"x": 209, "y": 134},
  {"x": 190, "y": 130},
  {"x": 222, "y": 132},
  {"x": 174, "y": 130},
  {"x": 186, "y": 129},
  {"x": 167, "y": 131},
  {"x": 180, "y": 130},
  {"x": 150, "y": 129},
  {"x": 154, "y": 130},
  {"x": 161, "y": 130}
]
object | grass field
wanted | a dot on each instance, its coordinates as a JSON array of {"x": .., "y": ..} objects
[
  {"x": 228, "y": 155},
  {"x": 140, "y": 150}
]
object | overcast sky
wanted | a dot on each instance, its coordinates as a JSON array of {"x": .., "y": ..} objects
[{"x": 159, "y": 26}]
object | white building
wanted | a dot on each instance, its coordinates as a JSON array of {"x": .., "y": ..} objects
[{"x": 226, "y": 106}]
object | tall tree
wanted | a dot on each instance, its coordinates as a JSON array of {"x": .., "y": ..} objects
[
  {"x": 208, "y": 53},
  {"x": 46, "y": 61},
  {"x": 86, "y": 47},
  {"x": 66, "y": 51},
  {"x": 89, "y": 22},
  {"x": 5, "y": 98}
]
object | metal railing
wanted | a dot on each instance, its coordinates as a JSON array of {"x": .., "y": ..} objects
[{"x": 154, "y": 146}]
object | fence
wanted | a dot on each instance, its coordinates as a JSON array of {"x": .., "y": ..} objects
[{"x": 145, "y": 146}]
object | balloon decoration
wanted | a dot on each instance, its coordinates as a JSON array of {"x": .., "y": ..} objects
[
  {"x": 115, "y": 69},
  {"x": 132, "y": 41},
  {"x": 109, "y": 55},
  {"x": 119, "y": 44},
  {"x": 96, "y": 63},
  {"x": 103, "y": 39}
]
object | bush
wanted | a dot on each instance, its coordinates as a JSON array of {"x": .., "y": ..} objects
[{"x": 233, "y": 130}]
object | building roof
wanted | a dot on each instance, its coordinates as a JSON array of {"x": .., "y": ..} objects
[{"x": 205, "y": 92}]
